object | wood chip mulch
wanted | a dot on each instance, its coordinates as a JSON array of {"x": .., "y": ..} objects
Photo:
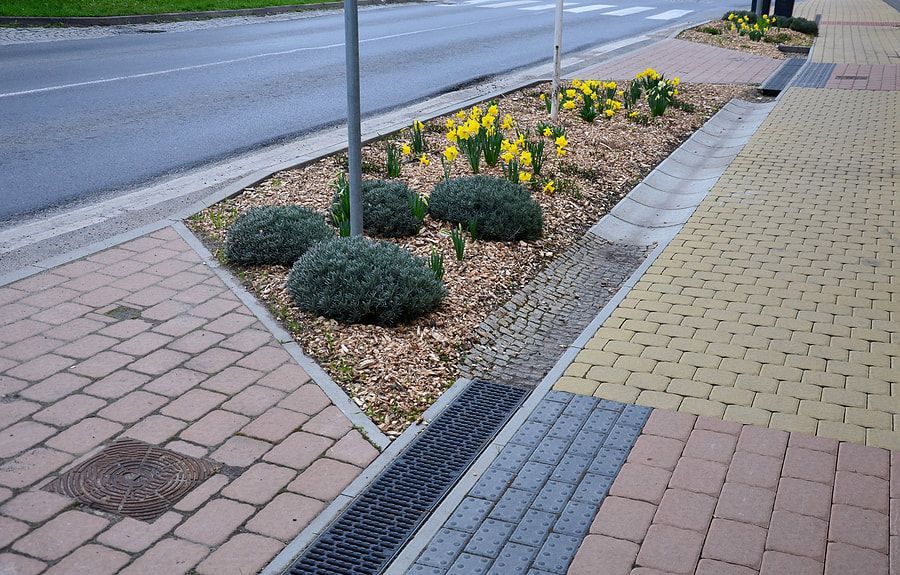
[
  {"x": 394, "y": 374},
  {"x": 734, "y": 41}
]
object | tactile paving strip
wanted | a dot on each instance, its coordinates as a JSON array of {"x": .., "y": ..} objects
[
  {"x": 778, "y": 81},
  {"x": 815, "y": 75},
  {"x": 535, "y": 503},
  {"x": 378, "y": 523}
]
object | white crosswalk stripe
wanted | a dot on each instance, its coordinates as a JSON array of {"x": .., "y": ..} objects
[
  {"x": 546, "y": 7},
  {"x": 627, "y": 11},
  {"x": 669, "y": 15},
  {"x": 509, "y": 4},
  {"x": 591, "y": 8}
]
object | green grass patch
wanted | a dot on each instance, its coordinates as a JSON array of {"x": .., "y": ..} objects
[{"x": 67, "y": 8}]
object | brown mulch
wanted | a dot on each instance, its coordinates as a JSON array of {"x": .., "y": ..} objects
[
  {"x": 394, "y": 374},
  {"x": 734, "y": 41}
]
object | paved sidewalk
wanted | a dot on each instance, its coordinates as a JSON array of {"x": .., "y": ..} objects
[{"x": 144, "y": 341}]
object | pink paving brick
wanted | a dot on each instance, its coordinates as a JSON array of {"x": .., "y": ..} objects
[
  {"x": 214, "y": 428},
  {"x": 179, "y": 325},
  {"x": 259, "y": 484},
  {"x": 213, "y": 308},
  {"x": 117, "y": 384},
  {"x": 616, "y": 556},
  {"x": 713, "y": 567},
  {"x": 641, "y": 482},
  {"x": 330, "y": 422},
  {"x": 18, "y": 565},
  {"x": 61, "y": 535},
  {"x": 814, "y": 443},
  {"x": 656, "y": 451},
  {"x": 843, "y": 559},
  {"x": 169, "y": 556},
  {"x": 19, "y": 437},
  {"x": 31, "y": 466},
  {"x": 35, "y": 506},
  {"x": 763, "y": 441},
  {"x": 777, "y": 563},
  {"x": 199, "y": 495},
  {"x": 675, "y": 550},
  {"x": 10, "y": 385},
  {"x": 810, "y": 465},
  {"x": 126, "y": 329},
  {"x": 240, "y": 451},
  {"x": 247, "y": 340},
  {"x": 233, "y": 323},
  {"x": 30, "y": 348},
  {"x": 859, "y": 527},
  {"x": 309, "y": 399},
  {"x": 757, "y": 470},
  {"x": 91, "y": 560},
  {"x": 196, "y": 341},
  {"x": 699, "y": 475},
  {"x": 805, "y": 497},
  {"x": 254, "y": 400},
  {"x": 87, "y": 346},
  {"x": 243, "y": 553},
  {"x": 735, "y": 542},
  {"x": 265, "y": 358},
  {"x": 298, "y": 450},
  {"x": 797, "y": 534},
  {"x": 10, "y": 530},
  {"x": 159, "y": 362},
  {"x": 101, "y": 364},
  {"x": 685, "y": 510},
  {"x": 194, "y": 404},
  {"x": 353, "y": 448},
  {"x": 142, "y": 344},
  {"x": 15, "y": 410},
  {"x": 746, "y": 504},
  {"x": 275, "y": 424},
  {"x": 710, "y": 445},
  {"x": 863, "y": 459},
  {"x": 69, "y": 410},
  {"x": 134, "y": 536},
  {"x": 175, "y": 383},
  {"x": 285, "y": 516},
  {"x": 191, "y": 449},
  {"x": 156, "y": 429},
  {"x": 860, "y": 490},
  {"x": 23, "y": 328},
  {"x": 85, "y": 435},
  {"x": 41, "y": 368},
  {"x": 133, "y": 407},
  {"x": 324, "y": 479},
  {"x": 214, "y": 522},
  {"x": 230, "y": 380}
]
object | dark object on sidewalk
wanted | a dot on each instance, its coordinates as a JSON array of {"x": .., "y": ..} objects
[
  {"x": 786, "y": 49},
  {"x": 370, "y": 532},
  {"x": 134, "y": 479},
  {"x": 814, "y": 75},
  {"x": 766, "y": 6},
  {"x": 782, "y": 77},
  {"x": 784, "y": 8}
]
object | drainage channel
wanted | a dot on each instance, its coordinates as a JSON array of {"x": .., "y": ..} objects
[{"x": 376, "y": 526}]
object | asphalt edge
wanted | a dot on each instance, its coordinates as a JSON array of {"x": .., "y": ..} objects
[{"x": 165, "y": 17}]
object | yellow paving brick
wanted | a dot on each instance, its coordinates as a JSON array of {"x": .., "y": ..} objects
[
  {"x": 775, "y": 402},
  {"x": 823, "y": 379},
  {"x": 805, "y": 362},
  {"x": 868, "y": 385},
  {"x": 844, "y": 397},
  {"x": 703, "y": 407},
  {"x": 794, "y": 423},
  {"x": 869, "y": 418},
  {"x": 596, "y": 357},
  {"x": 800, "y": 390},
  {"x": 689, "y": 388},
  {"x": 635, "y": 364},
  {"x": 659, "y": 399},
  {"x": 891, "y": 404},
  {"x": 740, "y": 366},
  {"x": 748, "y": 415},
  {"x": 841, "y": 431},
  {"x": 575, "y": 385},
  {"x": 756, "y": 383},
  {"x": 617, "y": 392},
  {"x": 648, "y": 381},
  {"x": 722, "y": 350},
  {"x": 605, "y": 374},
  {"x": 688, "y": 345},
  {"x": 651, "y": 340},
  {"x": 781, "y": 373},
  {"x": 821, "y": 410},
  {"x": 614, "y": 334},
  {"x": 883, "y": 438},
  {"x": 674, "y": 370},
  {"x": 577, "y": 369},
  {"x": 715, "y": 376},
  {"x": 732, "y": 396},
  {"x": 623, "y": 348},
  {"x": 664, "y": 354}
]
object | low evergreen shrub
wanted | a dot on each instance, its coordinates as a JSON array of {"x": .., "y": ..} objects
[
  {"x": 274, "y": 235},
  {"x": 388, "y": 209}
]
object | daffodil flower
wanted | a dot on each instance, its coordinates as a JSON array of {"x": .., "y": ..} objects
[
  {"x": 424, "y": 161},
  {"x": 561, "y": 142},
  {"x": 549, "y": 188},
  {"x": 609, "y": 113},
  {"x": 493, "y": 111},
  {"x": 450, "y": 123},
  {"x": 405, "y": 149},
  {"x": 570, "y": 93},
  {"x": 547, "y": 132},
  {"x": 524, "y": 177},
  {"x": 525, "y": 158},
  {"x": 508, "y": 121},
  {"x": 569, "y": 105},
  {"x": 450, "y": 153}
]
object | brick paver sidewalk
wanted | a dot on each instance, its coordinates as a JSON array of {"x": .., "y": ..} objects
[
  {"x": 691, "y": 62},
  {"x": 196, "y": 373},
  {"x": 772, "y": 316}
]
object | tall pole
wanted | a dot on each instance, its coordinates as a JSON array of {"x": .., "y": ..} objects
[
  {"x": 557, "y": 63},
  {"x": 354, "y": 137}
]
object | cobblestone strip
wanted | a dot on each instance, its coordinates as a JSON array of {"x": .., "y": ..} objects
[
  {"x": 521, "y": 341},
  {"x": 532, "y": 507},
  {"x": 707, "y": 497},
  {"x": 193, "y": 371},
  {"x": 690, "y": 61}
]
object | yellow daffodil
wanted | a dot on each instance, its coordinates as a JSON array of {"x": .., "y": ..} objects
[
  {"x": 450, "y": 123},
  {"x": 609, "y": 113},
  {"x": 488, "y": 121},
  {"x": 405, "y": 149},
  {"x": 418, "y": 125},
  {"x": 560, "y": 152},
  {"x": 493, "y": 111},
  {"x": 633, "y": 115},
  {"x": 525, "y": 158},
  {"x": 586, "y": 90},
  {"x": 460, "y": 115},
  {"x": 451, "y": 136},
  {"x": 475, "y": 114},
  {"x": 570, "y": 93},
  {"x": 549, "y": 188},
  {"x": 547, "y": 132},
  {"x": 508, "y": 156},
  {"x": 576, "y": 83},
  {"x": 731, "y": 16},
  {"x": 507, "y": 122},
  {"x": 562, "y": 142},
  {"x": 543, "y": 97},
  {"x": 450, "y": 153},
  {"x": 520, "y": 141},
  {"x": 424, "y": 161},
  {"x": 569, "y": 105},
  {"x": 524, "y": 177}
]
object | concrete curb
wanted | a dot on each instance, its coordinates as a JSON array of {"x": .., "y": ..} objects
[
  {"x": 84, "y": 21},
  {"x": 318, "y": 375}
]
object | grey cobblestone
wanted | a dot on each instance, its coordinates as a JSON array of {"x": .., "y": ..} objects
[
  {"x": 521, "y": 341},
  {"x": 529, "y": 516}
]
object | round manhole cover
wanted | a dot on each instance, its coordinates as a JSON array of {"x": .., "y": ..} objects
[{"x": 134, "y": 479}]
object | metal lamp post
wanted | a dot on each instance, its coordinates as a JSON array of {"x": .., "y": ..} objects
[
  {"x": 557, "y": 62},
  {"x": 354, "y": 136}
]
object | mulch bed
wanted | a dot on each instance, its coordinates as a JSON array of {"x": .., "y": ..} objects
[
  {"x": 394, "y": 374},
  {"x": 734, "y": 41}
]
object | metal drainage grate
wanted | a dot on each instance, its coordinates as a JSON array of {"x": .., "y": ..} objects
[
  {"x": 124, "y": 312},
  {"x": 134, "y": 479},
  {"x": 374, "y": 528},
  {"x": 780, "y": 79},
  {"x": 851, "y": 77},
  {"x": 814, "y": 75}
]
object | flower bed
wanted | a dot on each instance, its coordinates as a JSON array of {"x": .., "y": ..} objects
[
  {"x": 727, "y": 34},
  {"x": 394, "y": 373}
]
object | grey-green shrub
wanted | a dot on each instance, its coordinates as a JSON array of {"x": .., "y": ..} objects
[
  {"x": 496, "y": 207},
  {"x": 357, "y": 280},
  {"x": 387, "y": 209},
  {"x": 274, "y": 235}
]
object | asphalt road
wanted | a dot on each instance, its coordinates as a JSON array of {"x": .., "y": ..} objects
[{"x": 86, "y": 118}]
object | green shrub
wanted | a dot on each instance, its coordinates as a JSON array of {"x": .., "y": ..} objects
[
  {"x": 496, "y": 207},
  {"x": 709, "y": 30},
  {"x": 804, "y": 26},
  {"x": 357, "y": 280},
  {"x": 388, "y": 209},
  {"x": 779, "y": 38},
  {"x": 274, "y": 235}
]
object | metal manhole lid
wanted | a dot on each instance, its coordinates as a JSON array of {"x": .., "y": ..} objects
[
  {"x": 134, "y": 479},
  {"x": 124, "y": 312}
]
